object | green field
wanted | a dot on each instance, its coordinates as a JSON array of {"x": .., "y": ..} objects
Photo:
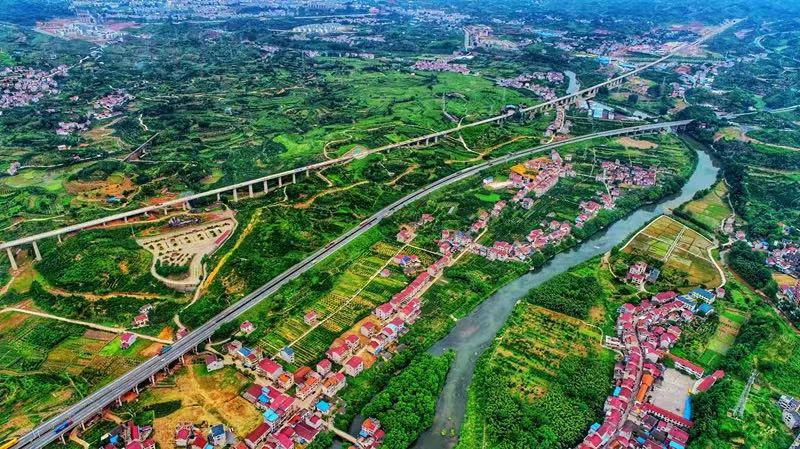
[
  {"x": 712, "y": 209},
  {"x": 677, "y": 247}
]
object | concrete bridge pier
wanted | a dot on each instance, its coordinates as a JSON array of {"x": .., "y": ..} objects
[
  {"x": 59, "y": 235},
  {"x": 11, "y": 259},
  {"x": 280, "y": 182},
  {"x": 218, "y": 198},
  {"x": 266, "y": 186},
  {"x": 36, "y": 251},
  {"x": 153, "y": 379},
  {"x": 119, "y": 401},
  {"x": 136, "y": 389},
  {"x": 235, "y": 196},
  {"x": 182, "y": 359},
  {"x": 294, "y": 178},
  {"x": 125, "y": 219},
  {"x": 165, "y": 210},
  {"x": 250, "y": 190},
  {"x": 61, "y": 437},
  {"x": 83, "y": 426}
]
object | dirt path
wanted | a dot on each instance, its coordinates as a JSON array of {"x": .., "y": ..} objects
[
  {"x": 488, "y": 150},
  {"x": 407, "y": 171},
  {"x": 321, "y": 176},
  {"x": 30, "y": 220},
  {"x": 95, "y": 297},
  {"x": 213, "y": 275},
  {"x": 307, "y": 203},
  {"x": 114, "y": 330}
]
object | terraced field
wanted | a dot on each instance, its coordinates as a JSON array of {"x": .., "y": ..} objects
[
  {"x": 712, "y": 209},
  {"x": 359, "y": 288}
]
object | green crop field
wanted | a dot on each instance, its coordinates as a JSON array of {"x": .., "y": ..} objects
[
  {"x": 678, "y": 247},
  {"x": 712, "y": 209}
]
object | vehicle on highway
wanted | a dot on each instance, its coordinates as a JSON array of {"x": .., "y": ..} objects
[
  {"x": 164, "y": 350},
  {"x": 60, "y": 428},
  {"x": 9, "y": 443}
]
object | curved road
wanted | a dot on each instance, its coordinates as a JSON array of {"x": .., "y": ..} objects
[
  {"x": 95, "y": 402},
  {"x": 565, "y": 100}
]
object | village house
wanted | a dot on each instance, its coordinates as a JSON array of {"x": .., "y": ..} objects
[
  {"x": 354, "y": 366},
  {"x": 257, "y": 436},
  {"x": 218, "y": 435},
  {"x": 310, "y": 318},
  {"x": 270, "y": 369},
  {"x": 323, "y": 367},
  {"x": 338, "y": 353},
  {"x": 287, "y": 354},
  {"x": 184, "y": 432},
  {"x": 368, "y": 329},
  {"x": 213, "y": 363},
  {"x": 636, "y": 272},
  {"x": 127, "y": 339},
  {"x": 333, "y": 383},
  {"x": 140, "y": 320},
  {"x": 247, "y": 328}
]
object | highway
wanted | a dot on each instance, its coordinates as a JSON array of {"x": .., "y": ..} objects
[
  {"x": 567, "y": 99},
  {"x": 95, "y": 402}
]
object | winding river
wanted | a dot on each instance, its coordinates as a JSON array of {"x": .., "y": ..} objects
[{"x": 475, "y": 332}]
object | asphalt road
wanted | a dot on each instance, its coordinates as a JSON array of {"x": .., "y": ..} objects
[
  {"x": 95, "y": 402},
  {"x": 348, "y": 158}
]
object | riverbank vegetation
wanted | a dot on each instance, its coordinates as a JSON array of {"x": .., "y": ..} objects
[{"x": 407, "y": 405}]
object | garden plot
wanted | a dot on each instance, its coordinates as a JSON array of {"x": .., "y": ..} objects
[
  {"x": 679, "y": 247},
  {"x": 534, "y": 344},
  {"x": 730, "y": 321},
  {"x": 356, "y": 291},
  {"x": 712, "y": 209}
]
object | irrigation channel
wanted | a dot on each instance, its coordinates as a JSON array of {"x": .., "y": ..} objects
[{"x": 474, "y": 333}]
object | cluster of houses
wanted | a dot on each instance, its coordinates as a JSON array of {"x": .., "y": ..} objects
[
  {"x": 83, "y": 27},
  {"x": 288, "y": 419},
  {"x": 560, "y": 124},
  {"x": 129, "y": 435},
  {"x": 785, "y": 259},
  {"x": 189, "y": 436},
  {"x": 638, "y": 273},
  {"x": 409, "y": 231},
  {"x": 371, "y": 435},
  {"x": 109, "y": 105},
  {"x": 791, "y": 293},
  {"x": 439, "y": 65},
  {"x": 67, "y": 128},
  {"x": 538, "y": 176},
  {"x": 295, "y": 405},
  {"x": 645, "y": 334},
  {"x": 22, "y": 86},
  {"x": 526, "y": 81},
  {"x": 790, "y": 410},
  {"x": 616, "y": 174}
]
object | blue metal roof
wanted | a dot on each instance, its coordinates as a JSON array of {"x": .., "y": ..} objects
[
  {"x": 323, "y": 406},
  {"x": 703, "y": 292},
  {"x": 705, "y": 308}
]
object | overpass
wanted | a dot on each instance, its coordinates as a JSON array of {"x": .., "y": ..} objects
[
  {"x": 278, "y": 180},
  {"x": 93, "y": 404}
]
